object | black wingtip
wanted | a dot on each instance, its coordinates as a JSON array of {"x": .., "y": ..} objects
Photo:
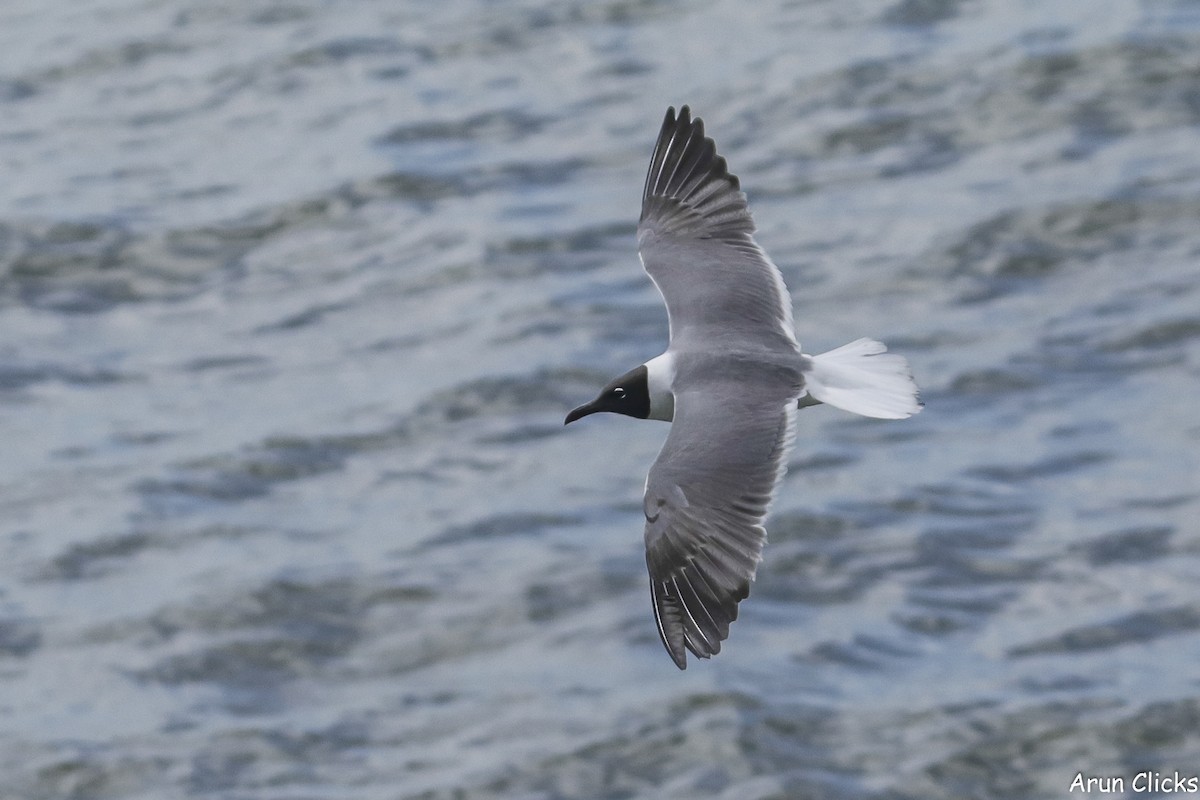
[
  {"x": 668, "y": 615},
  {"x": 721, "y": 167},
  {"x": 689, "y": 186}
]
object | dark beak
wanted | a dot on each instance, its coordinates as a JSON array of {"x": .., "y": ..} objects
[{"x": 581, "y": 412}]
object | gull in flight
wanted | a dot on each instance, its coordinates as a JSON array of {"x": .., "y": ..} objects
[{"x": 730, "y": 382}]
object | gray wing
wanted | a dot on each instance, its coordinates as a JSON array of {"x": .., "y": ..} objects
[
  {"x": 695, "y": 240},
  {"x": 706, "y": 497}
]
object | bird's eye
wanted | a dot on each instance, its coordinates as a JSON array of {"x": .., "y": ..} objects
[{"x": 619, "y": 392}]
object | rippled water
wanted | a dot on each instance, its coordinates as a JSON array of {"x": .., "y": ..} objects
[{"x": 294, "y": 296}]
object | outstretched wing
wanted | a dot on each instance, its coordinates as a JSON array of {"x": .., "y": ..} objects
[
  {"x": 696, "y": 242},
  {"x": 706, "y": 497}
]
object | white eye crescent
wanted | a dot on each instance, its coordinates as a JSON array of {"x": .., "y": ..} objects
[{"x": 619, "y": 392}]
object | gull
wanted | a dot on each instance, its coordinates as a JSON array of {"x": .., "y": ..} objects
[{"x": 730, "y": 382}]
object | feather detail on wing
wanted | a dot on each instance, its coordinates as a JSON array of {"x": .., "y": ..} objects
[
  {"x": 706, "y": 498},
  {"x": 695, "y": 241},
  {"x": 689, "y": 190}
]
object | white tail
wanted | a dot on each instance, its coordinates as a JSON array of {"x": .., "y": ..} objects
[{"x": 863, "y": 378}]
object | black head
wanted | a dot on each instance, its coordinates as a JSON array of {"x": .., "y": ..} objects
[{"x": 628, "y": 395}]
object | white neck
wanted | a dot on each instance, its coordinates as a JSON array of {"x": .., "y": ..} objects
[{"x": 660, "y": 373}]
